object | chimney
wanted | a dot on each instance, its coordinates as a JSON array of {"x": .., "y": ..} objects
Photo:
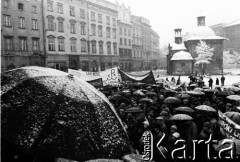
[
  {"x": 178, "y": 36},
  {"x": 201, "y": 20}
]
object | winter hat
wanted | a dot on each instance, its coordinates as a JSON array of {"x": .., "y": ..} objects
[
  {"x": 176, "y": 135},
  {"x": 174, "y": 127},
  {"x": 161, "y": 97},
  {"x": 159, "y": 118}
]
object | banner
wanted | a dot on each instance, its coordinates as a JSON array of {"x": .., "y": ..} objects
[
  {"x": 231, "y": 129},
  {"x": 145, "y": 78},
  {"x": 109, "y": 77},
  {"x": 96, "y": 82}
]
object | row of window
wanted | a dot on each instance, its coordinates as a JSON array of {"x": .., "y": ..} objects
[
  {"x": 9, "y": 44},
  {"x": 125, "y": 31},
  {"x": 125, "y": 42},
  {"x": 21, "y": 22},
  {"x": 20, "y": 6},
  {"x": 82, "y": 13},
  {"x": 84, "y": 44},
  {"x": 123, "y": 53}
]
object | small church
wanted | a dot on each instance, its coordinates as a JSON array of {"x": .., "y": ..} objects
[{"x": 181, "y": 55}]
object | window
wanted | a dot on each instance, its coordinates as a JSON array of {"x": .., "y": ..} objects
[
  {"x": 83, "y": 26},
  {"x": 50, "y": 6},
  {"x": 125, "y": 42},
  {"x": 72, "y": 11},
  {"x": 125, "y": 31},
  {"x": 72, "y": 27},
  {"x": 35, "y": 44},
  {"x": 73, "y": 45},
  {"x": 100, "y": 47},
  {"x": 100, "y": 31},
  {"x": 108, "y": 20},
  {"x": 8, "y": 43},
  {"x": 61, "y": 44},
  {"x": 120, "y": 41},
  {"x": 83, "y": 45},
  {"x": 34, "y": 24},
  {"x": 94, "y": 50},
  {"x": 109, "y": 48},
  {"x": 6, "y": 3},
  {"x": 23, "y": 44},
  {"x": 51, "y": 44},
  {"x": 7, "y": 20},
  {"x": 120, "y": 31},
  {"x": 21, "y": 22},
  {"x": 20, "y": 6},
  {"x": 129, "y": 32},
  {"x": 115, "y": 48},
  {"x": 34, "y": 9},
  {"x": 108, "y": 32},
  {"x": 129, "y": 42},
  {"x": 114, "y": 33},
  {"x": 50, "y": 24},
  {"x": 82, "y": 13},
  {"x": 93, "y": 29},
  {"x": 114, "y": 21},
  {"x": 60, "y": 26},
  {"x": 93, "y": 16},
  {"x": 100, "y": 18},
  {"x": 60, "y": 8}
]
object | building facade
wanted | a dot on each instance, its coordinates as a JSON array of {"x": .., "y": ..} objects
[
  {"x": 21, "y": 34},
  {"x": 125, "y": 38},
  {"x": 155, "y": 50},
  {"x": 81, "y": 34}
]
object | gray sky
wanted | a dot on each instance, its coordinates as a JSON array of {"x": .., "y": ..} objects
[{"x": 165, "y": 15}]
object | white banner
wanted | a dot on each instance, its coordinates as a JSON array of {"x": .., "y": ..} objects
[{"x": 109, "y": 77}]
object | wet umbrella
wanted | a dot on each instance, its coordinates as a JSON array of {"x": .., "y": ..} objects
[
  {"x": 48, "y": 112},
  {"x": 210, "y": 90},
  {"x": 118, "y": 97},
  {"x": 182, "y": 95},
  {"x": 172, "y": 100},
  {"x": 234, "y": 97},
  {"x": 139, "y": 92},
  {"x": 224, "y": 93},
  {"x": 205, "y": 87},
  {"x": 193, "y": 85},
  {"x": 151, "y": 93},
  {"x": 146, "y": 100},
  {"x": 198, "y": 89},
  {"x": 205, "y": 108},
  {"x": 181, "y": 117},
  {"x": 196, "y": 93},
  {"x": 228, "y": 143},
  {"x": 134, "y": 110},
  {"x": 184, "y": 109},
  {"x": 234, "y": 116},
  {"x": 231, "y": 88}
]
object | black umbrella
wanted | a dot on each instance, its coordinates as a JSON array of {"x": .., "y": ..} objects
[
  {"x": 146, "y": 100},
  {"x": 172, "y": 100},
  {"x": 184, "y": 109},
  {"x": 48, "y": 112},
  {"x": 205, "y": 108},
  {"x": 181, "y": 117},
  {"x": 134, "y": 110},
  {"x": 118, "y": 97}
]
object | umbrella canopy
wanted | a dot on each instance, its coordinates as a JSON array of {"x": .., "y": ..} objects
[
  {"x": 151, "y": 93},
  {"x": 184, "y": 109},
  {"x": 181, "y": 117},
  {"x": 210, "y": 90},
  {"x": 198, "y": 89},
  {"x": 227, "y": 143},
  {"x": 234, "y": 116},
  {"x": 193, "y": 85},
  {"x": 134, "y": 110},
  {"x": 224, "y": 93},
  {"x": 139, "y": 92},
  {"x": 205, "y": 87},
  {"x": 196, "y": 93},
  {"x": 231, "y": 88},
  {"x": 146, "y": 100},
  {"x": 118, "y": 97},
  {"x": 234, "y": 97},
  {"x": 182, "y": 95},
  {"x": 205, "y": 108},
  {"x": 172, "y": 100},
  {"x": 48, "y": 112}
]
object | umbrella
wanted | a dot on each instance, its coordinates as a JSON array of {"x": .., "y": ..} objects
[
  {"x": 195, "y": 93},
  {"x": 227, "y": 143},
  {"x": 146, "y": 100},
  {"x": 224, "y": 93},
  {"x": 234, "y": 116},
  {"x": 48, "y": 112},
  {"x": 139, "y": 92},
  {"x": 236, "y": 84},
  {"x": 231, "y": 88},
  {"x": 151, "y": 93},
  {"x": 198, "y": 89},
  {"x": 210, "y": 90},
  {"x": 172, "y": 100},
  {"x": 134, "y": 110},
  {"x": 184, "y": 109},
  {"x": 182, "y": 95},
  {"x": 167, "y": 90},
  {"x": 181, "y": 117},
  {"x": 118, "y": 97},
  {"x": 234, "y": 97},
  {"x": 205, "y": 87},
  {"x": 193, "y": 85},
  {"x": 205, "y": 108}
]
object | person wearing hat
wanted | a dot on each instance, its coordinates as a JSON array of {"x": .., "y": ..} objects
[
  {"x": 210, "y": 83},
  {"x": 173, "y": 129},
  {"x": 206, "y": 131},
  {"x": 171, "y": 141}
]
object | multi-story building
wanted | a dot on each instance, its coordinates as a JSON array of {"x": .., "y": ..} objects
[
  {"x": 146, "y": 42},
  {"x": 21, "y": 34},
  {"x": 81, "y": 34},
  {"x": 125, "y": 38},
  {"x": 155, "y": 50},
  {"x": 137, "y": 47}
]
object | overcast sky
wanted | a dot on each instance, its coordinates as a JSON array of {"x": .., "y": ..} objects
[{"x": 165, "y": 15}]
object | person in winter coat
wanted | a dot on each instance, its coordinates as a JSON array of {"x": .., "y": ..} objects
[
  {"x": 217, "y": 81},
  {"x": 210, "y": 83},
  {"x": 222, "y": 80}
]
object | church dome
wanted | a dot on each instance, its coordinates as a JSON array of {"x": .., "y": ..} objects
[
  {"x": 182, "y": 55},
  {"x": 202, "y": 31}
]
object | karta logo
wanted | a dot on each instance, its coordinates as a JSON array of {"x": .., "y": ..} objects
[{"x": 147, "y": 146}]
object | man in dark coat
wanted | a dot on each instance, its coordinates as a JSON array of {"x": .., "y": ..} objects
[
  {"x": 222, "y": 80},
  {"x": 217, "y": 81},
  {"x": 210, "y": 82}
]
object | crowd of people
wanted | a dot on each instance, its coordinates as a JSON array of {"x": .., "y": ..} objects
[{"x": 151, "y": 112}]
